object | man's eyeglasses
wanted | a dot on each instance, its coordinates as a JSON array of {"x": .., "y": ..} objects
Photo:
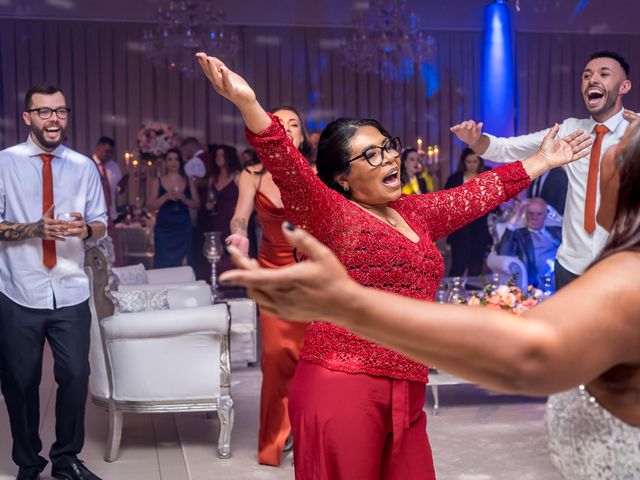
[
  {"x": 45, "y": 113},
  {"x": 375, "y": 155}
]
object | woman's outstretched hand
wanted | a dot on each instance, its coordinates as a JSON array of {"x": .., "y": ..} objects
[
  {"x": 315, "y": 289},
  {"x": 557, "y": 152},
  {"x": 227, "y": 83},
  {"x": 235, "y": 89}
]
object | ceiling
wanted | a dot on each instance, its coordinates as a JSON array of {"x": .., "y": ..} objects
[{"x": 589, "y": 16}]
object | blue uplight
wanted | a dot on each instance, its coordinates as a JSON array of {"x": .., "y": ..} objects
[{"x": 498, "y": 71}]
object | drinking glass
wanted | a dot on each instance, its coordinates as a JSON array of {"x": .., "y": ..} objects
[
  {"x": 457, "y": 293},
  {"x": 66, "y": 217},
  {"x": 212, "y": 250},
  {"x": 211, "y": 198}
]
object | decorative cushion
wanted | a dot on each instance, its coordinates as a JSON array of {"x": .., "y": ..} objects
[
  {"x": 181, "y": 295},
  {"x": 134, "y": 301},
  {"x": 131, "y": 275}
]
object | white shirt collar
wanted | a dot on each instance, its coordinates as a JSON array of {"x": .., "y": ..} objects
[
  {"x": 34, "y": 150},
  {"x": 612, "y": 123}
]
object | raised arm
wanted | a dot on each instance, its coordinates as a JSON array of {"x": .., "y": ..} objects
[
  {"x": 587, "y": 328},
  {"x": 239, "y": 224},
  {"x": 305, "y": 197},
  {"x": 498, "y": 149},
  {"x": 448, "y": 210}
]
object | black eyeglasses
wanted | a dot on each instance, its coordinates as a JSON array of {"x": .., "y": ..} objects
[
  {"x": 45, "y": 113},
  {"x": 374, "y": 155}
]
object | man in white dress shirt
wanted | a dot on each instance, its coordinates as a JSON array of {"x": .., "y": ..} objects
[
  {"x": 103, "y": 155},
  {"x": 43, "y": 288},
  {"x": 198, "y": 167},
  {"x": 604, "y": 82}
]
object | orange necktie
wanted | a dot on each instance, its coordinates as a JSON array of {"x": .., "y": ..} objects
[
  {"x": 592, "y": 180},
  {"x": 48, "y": 246}
]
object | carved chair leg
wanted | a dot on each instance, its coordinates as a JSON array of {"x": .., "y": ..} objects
[
  {"x": 114, "y": 435},
  {"x": 225, "y": 414}
]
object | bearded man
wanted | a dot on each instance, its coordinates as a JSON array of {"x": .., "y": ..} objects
[
  {"x": 51, "y": 200},
  {"x": 604, "y": 82}
]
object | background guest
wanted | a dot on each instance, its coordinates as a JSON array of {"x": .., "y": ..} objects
[
  {"x": 415, "y": 179},
  {"x": 198, "y": 168},
  {"x": 223, "y": 195},
  {"x": 249, "y": 158},
  {"x": 470, "y": 243},
  {"x": 281, "y": 341},
  {"x": 552, "y": 188},
  {"x": 104, "y": 153},
  {"x": 535, "y": 244},
  {"x": 173, "y": 195},
  {"x": 110, "y": 175}
]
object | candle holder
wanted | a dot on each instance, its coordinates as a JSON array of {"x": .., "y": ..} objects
[{"x": 212, "y": 250}]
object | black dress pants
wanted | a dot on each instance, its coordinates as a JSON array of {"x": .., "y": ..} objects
[
  {"x": 469, "y": 256},
  {"x": 22, "y": 335},
  {"x": 563, "y": 276}
]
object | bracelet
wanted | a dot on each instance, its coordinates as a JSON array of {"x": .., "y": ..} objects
[{"x": 89, "y": 232}]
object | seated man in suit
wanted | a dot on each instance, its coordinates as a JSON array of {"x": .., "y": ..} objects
[{"x": 535, "y": 244}]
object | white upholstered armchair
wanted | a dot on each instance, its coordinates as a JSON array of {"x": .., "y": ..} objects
[{"x": 173, "y": 360}]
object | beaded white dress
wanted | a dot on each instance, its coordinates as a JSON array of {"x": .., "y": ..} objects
[{"x": 588, "y": 442}]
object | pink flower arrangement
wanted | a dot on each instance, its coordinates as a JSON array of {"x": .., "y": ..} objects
[
  {"x": 507, "y": 297},
  {"x": 156, "y": 139}
]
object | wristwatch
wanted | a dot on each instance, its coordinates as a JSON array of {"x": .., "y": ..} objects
[{"x": 89, "y": 232}]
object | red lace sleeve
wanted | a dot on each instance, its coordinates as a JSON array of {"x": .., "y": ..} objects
[
  {"x": 446, "y": 211},
  {"x": 308, "y": 202}
]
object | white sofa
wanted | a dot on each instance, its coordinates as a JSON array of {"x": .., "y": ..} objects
[
  {"x": 185, "y": 291},
  {"x": 173, "y": 360}
]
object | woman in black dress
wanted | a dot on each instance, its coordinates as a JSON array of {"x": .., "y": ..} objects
[{"x": 470, "y": 243}]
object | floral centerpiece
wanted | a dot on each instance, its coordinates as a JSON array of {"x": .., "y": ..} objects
[
  {"x": 155, "y": 139},
  {"x": 507, "y": 297}
]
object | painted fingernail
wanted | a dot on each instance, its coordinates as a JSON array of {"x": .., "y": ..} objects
[
  {"x": 289, "y": 226},
  {"x": 227, "y": 249}
]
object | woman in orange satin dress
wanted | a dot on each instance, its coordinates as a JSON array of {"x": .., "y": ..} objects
[{"x": 281, "y": 340}]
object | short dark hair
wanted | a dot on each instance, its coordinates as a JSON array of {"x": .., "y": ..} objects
[
  {"x": 613, "y": 55},
  {"x": 190, "y": 141},
  {"x": 106, "y": 141},
  {"x": 333, "y": 148},
  {"x": 41, "y": 88}
]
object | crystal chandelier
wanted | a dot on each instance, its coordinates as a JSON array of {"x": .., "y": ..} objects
[
  {"x": 387, "y": 41},
  {"x": 185, "y": 27}
]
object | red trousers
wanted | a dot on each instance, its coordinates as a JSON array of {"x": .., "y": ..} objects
[
  {"x": 281, "y": 342},
  {"x": 358, "y": 427}
]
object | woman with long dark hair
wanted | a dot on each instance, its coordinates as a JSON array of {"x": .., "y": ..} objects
[
  {"x": 222, "y": 195},
  {"x": 173, "y": 194},
  {"x": 581, "y": 346},
  {"x": 281, "y": 341},
  {"x": 356, "y": 407},
  {"x": 469, "y": 244}
]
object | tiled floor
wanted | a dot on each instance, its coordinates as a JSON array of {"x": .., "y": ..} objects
[{"x": 476, "y": 436}]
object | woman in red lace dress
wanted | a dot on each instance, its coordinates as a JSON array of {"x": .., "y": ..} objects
[{"x": 356, "y": 407}]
